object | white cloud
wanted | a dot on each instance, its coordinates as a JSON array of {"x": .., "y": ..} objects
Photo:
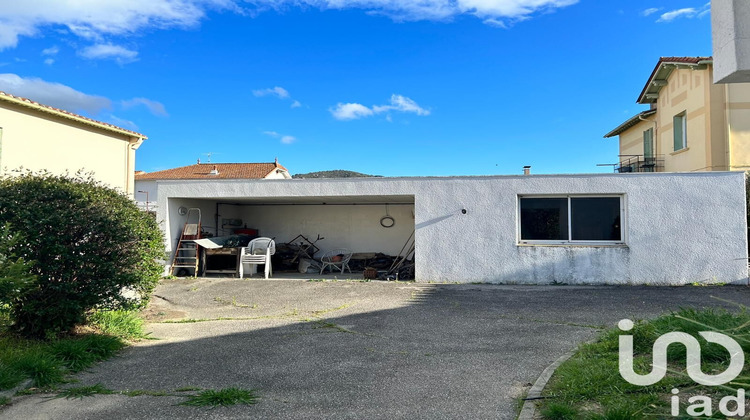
[
  {"x": 286, "y": 139},
  {"x": 353, "y": 111},
  {"x": 276, "y": 91},
  {"x": 118, "y": 53},
  {"x": 53, "y": 50},
  {"x": 99, "y": 20},
  {"x": 53, "y": 94},
  {"x": 49, "y": 61},
  {"x": 688, "y": 12},
  {"x": 350, "y": 111},
  {"x": 650, "y": 11},
  {"x": 156, "y": 108},
  {"x": 402, "y": 104}
]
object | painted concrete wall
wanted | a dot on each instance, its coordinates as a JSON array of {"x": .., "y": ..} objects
[
  {"x": 631, "y": 141},
  {"x": 731, "y": 40},
  {"x": 738, "y": 118},
  {"x": 679, "y": 228},
  {"x": 687, "y": 91},
  {"x": 37, "y": 141}
]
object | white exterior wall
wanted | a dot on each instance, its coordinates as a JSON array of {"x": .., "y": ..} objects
[
  {"x": 680, "y": 228},
  {"x": 731, "y": 40},
  {"x": 149, "y": 186}
]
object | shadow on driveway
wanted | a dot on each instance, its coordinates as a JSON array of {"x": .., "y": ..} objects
[{"x": 360, "y": 350}]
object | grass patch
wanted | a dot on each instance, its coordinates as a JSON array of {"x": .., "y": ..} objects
[
  {"x": 48, "y": 362},
  {"x": 223, "y": 397},
  {"x": 187, "y": 389},
  {"x": 124, "y": 324},
  {"x": 589, "y": 385},
  {"x": 84, "y": 391},
  {"x": 147, "y": 392},
  {"x": 4, "y": 401}
]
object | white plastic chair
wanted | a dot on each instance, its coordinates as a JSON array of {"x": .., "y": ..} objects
[
  {"x": 330, "y": 259},
  {"x": 258, "y": 251}
]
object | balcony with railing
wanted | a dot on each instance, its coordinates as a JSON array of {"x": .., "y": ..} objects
[{"x": 640, "y": 163}]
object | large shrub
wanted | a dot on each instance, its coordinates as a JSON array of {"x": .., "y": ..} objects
[{"x": 87, "y": 243}]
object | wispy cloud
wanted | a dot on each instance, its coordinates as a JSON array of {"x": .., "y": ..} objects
[
  {"x": 53, "y": 50},
  {"x": 102, "y": 20},
  {"x": 53, "y": 94},
  {"x": 118, "y": 53},
  {"x": 687, "y": 12},
  {"x": 156, "y": 108},
  {"x": 650, "y": 11},
  {"x": 49, "y": 61},
  {"x": 354, "y": 111},
  {"x": 278, "y": 92},
  {"x": 284, "y": 138}
]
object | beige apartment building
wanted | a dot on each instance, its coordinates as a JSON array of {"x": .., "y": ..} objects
[
  {"x": 39, "y": 137},
  {"x": 692, "y": 124}
]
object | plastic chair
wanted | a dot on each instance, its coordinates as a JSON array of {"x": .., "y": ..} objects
[
  {"x": 338, "y": 258},
  {"x": 258, "y": 251}
]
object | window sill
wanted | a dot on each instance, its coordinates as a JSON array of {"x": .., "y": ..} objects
[
  {"x": 573, "y": 245},
  {"x": 677, "y": 152}
]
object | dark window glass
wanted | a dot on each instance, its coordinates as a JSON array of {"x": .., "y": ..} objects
[
  {"x": 544, "y": 219},
  {"x": 595, "y": 219}
]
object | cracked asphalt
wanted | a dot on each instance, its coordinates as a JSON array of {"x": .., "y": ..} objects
[{"x": 341, "y": 350}]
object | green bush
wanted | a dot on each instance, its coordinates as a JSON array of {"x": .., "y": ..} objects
[
  {"x": 85, "y": 242},
  {"x": 15, "y": 272}
]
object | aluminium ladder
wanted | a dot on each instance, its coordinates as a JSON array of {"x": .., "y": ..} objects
[{"x": 187, "y": 254}]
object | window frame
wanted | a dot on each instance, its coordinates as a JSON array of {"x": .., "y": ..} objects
[
  {"x": 683, "y": 126},
  {"x": 648, "y": 139},
  {"x": 570, "y": 241}
]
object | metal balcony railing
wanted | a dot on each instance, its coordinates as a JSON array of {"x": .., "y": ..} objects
[{"x": 640, "y": 163}]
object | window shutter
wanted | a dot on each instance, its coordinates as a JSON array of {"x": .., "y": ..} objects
[
  {"x": 648, "y": 143},
  {"x": 678, "y": 132}
]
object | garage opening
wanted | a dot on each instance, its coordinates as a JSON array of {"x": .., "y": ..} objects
[{"x": 375, "y": 234}]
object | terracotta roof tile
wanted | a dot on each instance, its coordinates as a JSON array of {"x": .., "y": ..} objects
[
  {"x": 669, "y": 60},
  {"x": 63, "y": 113},
  {"x": 203, "y": 171}
]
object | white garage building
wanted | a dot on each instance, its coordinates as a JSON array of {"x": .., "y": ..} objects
[{"x": 654, "y": 228}]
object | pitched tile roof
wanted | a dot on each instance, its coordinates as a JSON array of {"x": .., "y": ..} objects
[
  {"x": 65, "y": 114},
  {"x": 662, "y": 72},
  {"x": 225, "y": 171}
]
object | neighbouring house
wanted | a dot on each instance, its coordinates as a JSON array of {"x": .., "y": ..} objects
[
  {"x": 39, "y": 137},
  {"x": 692, "y": 124},
  {"x": 146, "y": 182},
  {"x": 661, "y": 228}
]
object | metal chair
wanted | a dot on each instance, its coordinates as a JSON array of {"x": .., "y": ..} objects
[
  {"x": 338, "y": 258},
  {"x": 258, "y": 251}
]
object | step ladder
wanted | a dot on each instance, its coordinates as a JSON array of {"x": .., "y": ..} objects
[{"x": 187, "y": 254}]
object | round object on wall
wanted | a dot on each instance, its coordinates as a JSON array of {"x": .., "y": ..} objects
[
  {"x": 387, "y": 221},
  {"x": 182, "y": 211}
]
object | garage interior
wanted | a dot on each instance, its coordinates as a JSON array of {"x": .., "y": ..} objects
[{"x": 377, "y": 230}]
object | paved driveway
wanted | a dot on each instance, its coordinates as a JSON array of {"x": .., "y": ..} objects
[{"x": 357, "y": 350}]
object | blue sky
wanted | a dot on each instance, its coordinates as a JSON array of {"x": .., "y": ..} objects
[{"x": 389, "y": 87}]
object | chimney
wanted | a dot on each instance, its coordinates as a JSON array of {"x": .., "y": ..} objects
[
  {"x": 199, "y": 161},
  {"x": 527, "y": 170},
  {"x": 276, "y": 161},
  {"x": 214, "y": 171}
]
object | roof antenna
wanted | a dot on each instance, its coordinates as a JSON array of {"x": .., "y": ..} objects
[{"x": 209, "y": 156}]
